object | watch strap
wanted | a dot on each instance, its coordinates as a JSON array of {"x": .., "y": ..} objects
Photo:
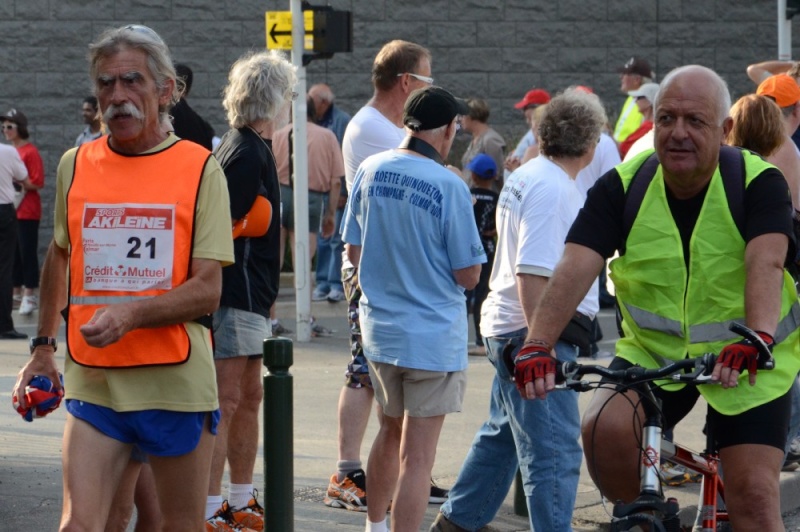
[{"x": 43, "y": 340}]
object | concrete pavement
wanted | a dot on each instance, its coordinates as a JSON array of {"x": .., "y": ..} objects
[{"x": 30, "y": 469}]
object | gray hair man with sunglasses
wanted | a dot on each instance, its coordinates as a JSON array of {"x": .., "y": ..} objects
[{"x": 142, "y": 231}]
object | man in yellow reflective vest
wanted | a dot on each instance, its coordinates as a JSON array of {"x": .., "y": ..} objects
[
  {"x": 693, "y": 258},
  {"x": 632, "y": 75}
]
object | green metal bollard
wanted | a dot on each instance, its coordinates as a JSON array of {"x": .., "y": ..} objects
[
  {"x": 278, "y": 436},
  {"x": 520, "y": 501}
]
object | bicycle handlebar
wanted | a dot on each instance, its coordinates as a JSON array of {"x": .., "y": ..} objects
[{"x": 568, "y": 374}]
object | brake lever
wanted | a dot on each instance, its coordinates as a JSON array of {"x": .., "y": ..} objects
[{"x": 765, "y": 358}]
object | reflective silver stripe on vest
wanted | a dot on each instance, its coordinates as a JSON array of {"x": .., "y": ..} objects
[
  {"x": 714, "y": 332},
  {"x": 645, "y": 319},
  {"x": 789, "y": 324},
  {"x": 105, "y": 300},
  {"x": 709, "y": 332}
]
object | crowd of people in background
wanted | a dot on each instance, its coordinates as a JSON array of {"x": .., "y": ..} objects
[{"x": 480, "y": 238}]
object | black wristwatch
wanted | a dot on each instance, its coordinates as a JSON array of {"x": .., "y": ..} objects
[{"x": 43, "y": 340}]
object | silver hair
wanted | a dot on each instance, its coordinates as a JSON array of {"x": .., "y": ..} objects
[
  {"x": 138, "y": 37},
  {"x": 571, "y": 124},
  {"x": 722, "y": 96},
  {"x": 431, "y": 133},
  {"x": 323, "y": 91},
  {"x": 259, "y": 86}
]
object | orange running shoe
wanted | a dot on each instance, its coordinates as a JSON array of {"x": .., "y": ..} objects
[
  {"x": 250, "y": 516},
  {"x": 350, "y": 493},
  {"x": 223, "y": 520}
]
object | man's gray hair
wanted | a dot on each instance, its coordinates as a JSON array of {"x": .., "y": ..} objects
[
  {"x": 571, "y": 124},
  {"x": 323, "y": 92},
  {"x": 137, "y": 37},
  {"x": 259, "y": 85},
  {"x": 722, "y": 96}
]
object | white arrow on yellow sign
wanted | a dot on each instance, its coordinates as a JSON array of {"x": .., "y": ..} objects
[{"x": 279, "y": 30}]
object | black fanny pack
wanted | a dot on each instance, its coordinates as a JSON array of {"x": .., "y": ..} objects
[{"x": 578, "y": 332}]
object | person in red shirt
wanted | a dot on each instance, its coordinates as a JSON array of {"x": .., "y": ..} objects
[
  {"x": 29, "y": 213},
  {"x": 644, "y": 96}
]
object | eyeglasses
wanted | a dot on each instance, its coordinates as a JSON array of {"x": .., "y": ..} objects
[
  {"x": 424, "y": 79},
  {"x": 10, "y": 126},
  {"x": 641, "y": 98}
]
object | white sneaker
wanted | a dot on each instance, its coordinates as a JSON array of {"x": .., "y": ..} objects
[
  {"x": 319, "y": 295},
  {"x": 28, "y": 305},
  {"x": 335, "y": 295}
]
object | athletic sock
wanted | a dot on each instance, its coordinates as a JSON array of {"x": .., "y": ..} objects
[
  {"x": 376, "y": 527},
  {"x": 213, "y": 503},
  {"x": 239, "y": 495},
  {"x": 343, "y": 467}
]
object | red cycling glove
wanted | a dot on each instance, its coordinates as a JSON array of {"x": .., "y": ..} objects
[
  {"x": 532, "y": 362},
  {"x": 743, "y": 354}
]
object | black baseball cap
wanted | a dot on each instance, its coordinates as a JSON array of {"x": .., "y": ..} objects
[
  {"x": 17, "y": 117},
  {"x": 639, "y": 66},
  {"x": 432, "y": 107}
]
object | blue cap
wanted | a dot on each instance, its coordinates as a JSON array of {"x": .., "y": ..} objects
[{"x": 483, "y": 166}]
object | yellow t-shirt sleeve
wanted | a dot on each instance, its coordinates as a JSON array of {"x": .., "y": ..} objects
[{"x": 213, "y": 238}]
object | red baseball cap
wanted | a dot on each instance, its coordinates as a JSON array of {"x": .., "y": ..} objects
[{"x": 533, "y": 97}]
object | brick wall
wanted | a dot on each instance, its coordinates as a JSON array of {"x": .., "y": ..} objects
[{"x": 495, "y": 49}]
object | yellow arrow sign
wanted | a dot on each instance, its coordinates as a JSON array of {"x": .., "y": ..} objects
[{"x": 279, "y": 30}]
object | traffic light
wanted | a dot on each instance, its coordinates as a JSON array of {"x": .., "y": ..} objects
[{"x": 792, "y": 8}]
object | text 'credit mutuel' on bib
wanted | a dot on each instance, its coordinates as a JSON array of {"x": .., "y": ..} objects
[{"x": 128, "y": 247}]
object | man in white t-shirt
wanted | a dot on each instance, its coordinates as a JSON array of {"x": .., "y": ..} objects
[
  {"x": 536, "y": 209},
  {"x": 399, "y": 68}
]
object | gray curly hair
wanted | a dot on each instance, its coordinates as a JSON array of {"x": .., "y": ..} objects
[
  {"x": 571, "y": 124},
  {"x": 259, "y": 85}
]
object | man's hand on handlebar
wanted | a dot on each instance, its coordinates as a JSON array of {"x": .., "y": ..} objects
[
  {"x": 734, "y": 358},
  {"x": 534, "y": 371}
]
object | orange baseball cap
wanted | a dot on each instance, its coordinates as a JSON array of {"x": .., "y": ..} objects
[
  {"x": 782, "y": 88},
  {"x": 256, "y": 222}
]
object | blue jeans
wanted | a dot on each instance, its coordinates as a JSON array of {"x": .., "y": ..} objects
[
  {"x": 329, "y": 257},
  {"x": 539, "y": 437}
]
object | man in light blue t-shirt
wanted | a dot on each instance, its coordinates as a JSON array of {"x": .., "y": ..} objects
[{"x": 410, "y": 228}]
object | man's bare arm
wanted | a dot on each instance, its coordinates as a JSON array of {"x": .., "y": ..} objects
[
  {"x": 329, "y": 219},
  {"x": 353, "y": 254},
  {"x": 763, "y": 258},
  {"x": 530, "y": 289},
  {"x": 758, "y": 72},
  {"x": 468, "y": 277},
  {"x": 52, "y": 298}
]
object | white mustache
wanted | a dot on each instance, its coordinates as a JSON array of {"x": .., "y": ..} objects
[{"x": 125, "y": 109}]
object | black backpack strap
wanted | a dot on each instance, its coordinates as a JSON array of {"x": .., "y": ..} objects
[
  {"x": 291, "y": 161},
  {"x": 731, "y": 167},
  {"x": 636, "y": 191}
]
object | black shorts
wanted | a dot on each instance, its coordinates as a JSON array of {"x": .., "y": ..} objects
[{"x": 767, "y": 424}]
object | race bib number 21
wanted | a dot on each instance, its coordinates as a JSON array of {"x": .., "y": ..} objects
[{"x": 128, "y": 247}]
